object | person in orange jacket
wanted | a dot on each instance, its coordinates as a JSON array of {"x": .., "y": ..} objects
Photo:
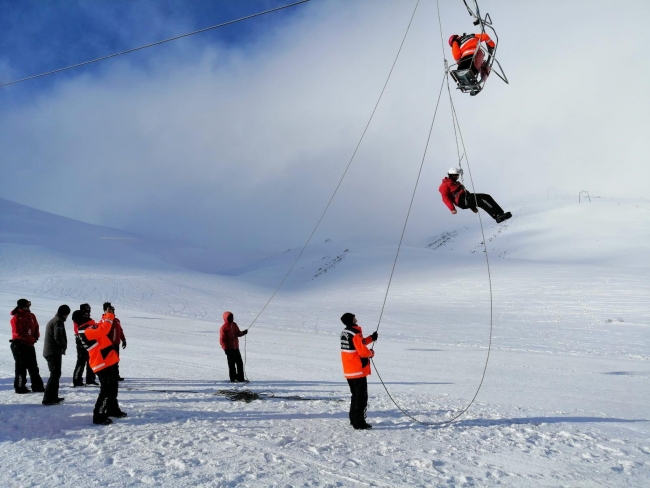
[
  {"x": 355, "y": 357},
  {"x": 229, "y": 335},
  {"x": 103, "y": 360},
  {"x": 463, "y": 49}
]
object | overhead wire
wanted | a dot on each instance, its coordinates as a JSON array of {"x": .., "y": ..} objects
[
  {"x": 487, "y": 359},
  {"x": 223, "y": 24}
]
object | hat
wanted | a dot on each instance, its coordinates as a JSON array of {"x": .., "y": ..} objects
[
  {"x": 84, "y": 307},
  {"x": 107, "y": 305},
  {"x": 23, "y": 302},
  {"x": 348, "y": 319}
]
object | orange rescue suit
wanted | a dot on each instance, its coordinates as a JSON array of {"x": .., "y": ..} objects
[
  {"x": 466, "y": 45},
  {"x": 101, "y": 351},
  {"x": 355, "y": 356}
]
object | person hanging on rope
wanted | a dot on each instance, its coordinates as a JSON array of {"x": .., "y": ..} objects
[
  {"x": 454, "y": 194},
  {"x": 229, "y": 335},
  {"x": 355, "y": 357},
  {"x": 463, "y": 49}
]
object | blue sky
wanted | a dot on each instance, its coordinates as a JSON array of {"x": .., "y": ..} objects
[
  {"x": 235, "y": 139},
  {"x": 39, "y": 35}
]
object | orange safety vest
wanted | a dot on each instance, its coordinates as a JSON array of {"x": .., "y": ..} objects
[
  {"x": 355, "y": 356},
  {"x": 101, "y": 351},
  {"x": 467, "y": 45}
]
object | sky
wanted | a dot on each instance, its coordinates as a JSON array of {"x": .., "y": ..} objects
[{"x": 235, "y": 139}]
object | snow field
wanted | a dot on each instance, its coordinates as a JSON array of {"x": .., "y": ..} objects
[{"x": 565, "y": 401}]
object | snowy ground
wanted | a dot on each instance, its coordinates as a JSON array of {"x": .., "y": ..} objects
[{"x": 566, "y": 401}]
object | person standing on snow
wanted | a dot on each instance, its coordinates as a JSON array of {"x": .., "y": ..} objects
[
  {"x": 55, "y": 344},
  {"x": 103, "y": 361},
  {"x": 24, "y": 334},
  {"x": 117, "y": 336},
  {"x": 229, "y": 335},
  {"x": 454, "y": 193},
  {"x": 81, "y": 320},
  {"x": 355, "y": 357}
]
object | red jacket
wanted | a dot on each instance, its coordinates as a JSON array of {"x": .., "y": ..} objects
[
  {"x": 466, "y": 45},
  {"x": 24, "y": 327},
  {"x": 355, "y": 356},
  {"x": 116, "y": 335},
  {"x": 451, "y": 192},
  {"x": 229, "y": 333}
]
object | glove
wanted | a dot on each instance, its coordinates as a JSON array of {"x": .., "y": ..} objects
[
  {"x": 123, "y": 344},
  {"x": 475, "y": 210},
  {"x": 374, "y": 336},
  {"x": 454, "y": 211},
  {"x": 244, "y": 332}
]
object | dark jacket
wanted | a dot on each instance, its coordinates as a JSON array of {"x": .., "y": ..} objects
[{"x": 56, "y": 341}]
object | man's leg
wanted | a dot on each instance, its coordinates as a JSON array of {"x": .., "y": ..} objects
[
  {"x": 91, "y": 377},
  {"x": 363, "y": 399},
  {"x": 52, "y": 387},
  {"x": 100, "y": 415},
  {"x": 353, "y": 400},
  {"x": 239, "y": 364},
  {"x": 82, "y": 359},
  {"x": 20, "y": 379},
  {"x": 487, "y": 203},
  {"x": 32, "y": 368},
  {"x": 112, "y": 406},
  {"x": 232, "y": 372}
]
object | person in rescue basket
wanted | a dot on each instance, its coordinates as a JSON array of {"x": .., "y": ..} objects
[
  {"x": 81, "y": 320},
  {"x": 103, "y": 361},
  {"x": 355, "y": 357},
  {"x": 54, "y": 345},
  {"x": 463, "y": 49},
  {"x": 229, "y": 335},
  {"x": 117, "y": 336},
  {"x": 24, "y": 334},
  {"x": 454, "y": 193}
]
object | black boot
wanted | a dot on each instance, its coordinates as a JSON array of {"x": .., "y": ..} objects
[
  {"x": 101, "y": 420},
  {"x": 503, "y": 216}
]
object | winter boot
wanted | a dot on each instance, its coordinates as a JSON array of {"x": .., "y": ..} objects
[
  {"x": 22, "y": 390},
  {"x": 88, "y": 383},
  {"x": 53, "y": 401},
  {"x": 118, "y": 414},
  {"x": 503, "y": 216},
  {"x": 362, "y": 426},
  {"x": 101, "y": 420}
]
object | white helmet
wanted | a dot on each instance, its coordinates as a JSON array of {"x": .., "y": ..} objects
[{"x": 455, "y": 171}]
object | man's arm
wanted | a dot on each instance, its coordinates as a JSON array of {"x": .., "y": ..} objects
[{"x": 361, "y": 348}]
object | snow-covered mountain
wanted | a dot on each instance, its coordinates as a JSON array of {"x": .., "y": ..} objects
[{"x": 565, "y": 401}]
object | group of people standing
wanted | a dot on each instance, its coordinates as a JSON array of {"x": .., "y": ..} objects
[{"x": 97, "y": 352}]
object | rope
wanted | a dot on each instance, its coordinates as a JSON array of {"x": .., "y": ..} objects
[
  {"x": 329, "y": 203},
  {"x": 487, "y": 260},
  {"x": 248, "y": 396},
  {"x": 408, "y": 213},
  {"x": 153, "y": 44}
]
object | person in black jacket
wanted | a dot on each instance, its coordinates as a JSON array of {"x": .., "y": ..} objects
[
  {"x": 54, "y": 347},
  {"x": 81, "y": 318}
]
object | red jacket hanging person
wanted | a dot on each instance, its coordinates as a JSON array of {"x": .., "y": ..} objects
[
  {"x": 454, "y": 194},
  {"x": 229, "y": 335}
]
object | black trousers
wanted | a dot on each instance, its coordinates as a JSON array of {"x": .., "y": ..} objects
[
  {"x": 235, "y": 365},
  {"x": 483, "y": 200},
  {"x": 106, "y": 404},
  {"x": 82, "y": 362},
  {"x": 52, "y": 387},
  {"x": 25, "y": 359},
  {"x": 359, "y": 401}
]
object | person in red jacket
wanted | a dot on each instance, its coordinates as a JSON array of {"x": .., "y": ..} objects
[
  {"x": 454, "y": 194},
  {"x": 24, "y": 334},
  {"x": 229, "y": 335},
  {"x": 103, "y": 361},
  {"x": 355, "y": 357},
  {"x": 464, "y": 47},
  {"x": 116, "y": 335}
]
